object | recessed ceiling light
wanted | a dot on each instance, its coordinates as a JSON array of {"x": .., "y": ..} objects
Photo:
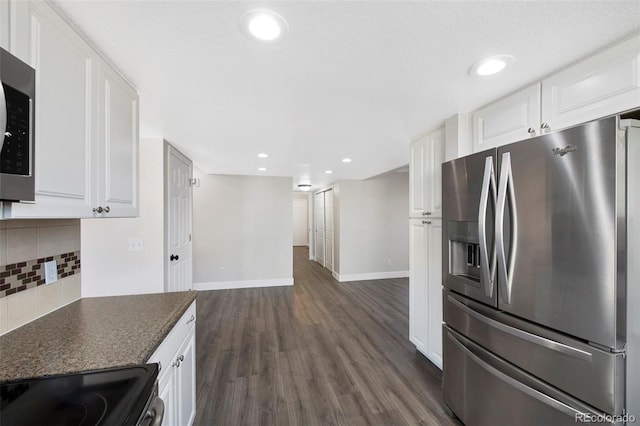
[
  {"x": 304, "y": 186},
  {"x": 328, "y": 172},
  {"x": 346, "y": 160},
  {"x": 263, "y": 25},
  {"x": 262, "y": 169},
  {"x": 491, "y": 65},
  {"x": 263, "y": 155}
]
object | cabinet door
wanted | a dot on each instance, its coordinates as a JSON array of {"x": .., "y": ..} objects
[
  {"x": 65, "y": 113},
  {"x": 418, "y": 291},
  {"x": 417, "y": 160},
  {"x": 433, "y": 173},
  {"x": 167, "y": 388},
  {"x": 434, "y": 280},
  {"x": 425, "y": 168},
  {"x": 507, "y": 120},
  {"x": 118, "y": 156},
  {"x": 186, "y": 383},
  {"x": 4, "y": 25},
  {"x": 602, "y": 85}
]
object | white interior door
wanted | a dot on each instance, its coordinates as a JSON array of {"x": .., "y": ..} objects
[
  {"x": 328, "y": 230},
  {"x": 178, "y": 225},
  {"x": 319, "y": 225},
  {"x": 300, "y": 235}
]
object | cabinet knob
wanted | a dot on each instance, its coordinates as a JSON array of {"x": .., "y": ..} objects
[
  {"x": 98, "y": 209},
  {"x": 176, "y": 363},
  {"x": 7, "y": 134},
  {"x": 193, "y": 318},
  {"x": 181, "y": 358},
  {"x": 107, "y": 209},
  {"x": 426, "y": 213},
  {"x": 426, "y": 222},
  {"x": 545, "y": 127},
  {"x": 174, "y": 257},
  {"x": 531, "y": 131}
]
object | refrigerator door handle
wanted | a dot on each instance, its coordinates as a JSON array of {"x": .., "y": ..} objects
[
  {"x": 520, "y": 334},
  {"x": 487, "y": 259},
  {"x": 506, "y": 195},
  {"x": 3, "y": 116}
]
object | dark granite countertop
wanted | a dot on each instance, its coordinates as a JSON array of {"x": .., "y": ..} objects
[{"x": 92, "y": 333}]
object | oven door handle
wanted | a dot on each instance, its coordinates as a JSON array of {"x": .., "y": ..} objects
[
  {"x": 3, "y": 115},
  {"x": 155, "y": 413}
]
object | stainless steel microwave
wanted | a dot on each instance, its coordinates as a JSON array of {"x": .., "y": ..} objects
[{"x": 17, "y": 114}]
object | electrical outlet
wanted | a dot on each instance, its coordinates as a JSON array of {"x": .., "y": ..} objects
[
  {"x": 50, "y": 272},
  {"x": 222, "y": 269},
  {"x": 136, "y": 244}
]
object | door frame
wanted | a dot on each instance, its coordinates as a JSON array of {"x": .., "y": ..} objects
[{"x": 168, "y": 151}]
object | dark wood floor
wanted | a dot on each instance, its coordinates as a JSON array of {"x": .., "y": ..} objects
[{"x": 318, "y": 353}]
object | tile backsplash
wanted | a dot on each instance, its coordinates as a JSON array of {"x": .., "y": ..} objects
[
  {"x": 25, "y": 275},
  {"x": 24, "y": 247}
]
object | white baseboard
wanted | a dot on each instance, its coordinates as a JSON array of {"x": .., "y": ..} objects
[
  {"x": 370, "y": 276},
  {"x": 227, "y": 285}
]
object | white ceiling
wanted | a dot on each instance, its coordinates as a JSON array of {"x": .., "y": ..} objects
[{"x": 357, "y": 79}]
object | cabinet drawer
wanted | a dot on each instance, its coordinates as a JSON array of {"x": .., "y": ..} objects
[{"x": 169, "y": 347}]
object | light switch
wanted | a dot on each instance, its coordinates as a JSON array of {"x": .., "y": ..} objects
[{"x": 50, "y": 272}]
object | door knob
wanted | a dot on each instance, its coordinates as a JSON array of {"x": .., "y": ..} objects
[{"x": 174, "y": 257}]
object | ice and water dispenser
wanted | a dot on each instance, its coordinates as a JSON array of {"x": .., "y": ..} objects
[{"x": 464, "y": 250}]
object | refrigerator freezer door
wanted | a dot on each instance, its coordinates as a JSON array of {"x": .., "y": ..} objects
[
  {"x": 591, "y": 375},
  {"x": 468, "y": 205},
  {"x": 561, "y": 257},
  {"x": 483, "y": 390}
]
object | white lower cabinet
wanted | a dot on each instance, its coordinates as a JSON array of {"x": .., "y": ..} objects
[
  {"x": 177, "y": 379},
  {"x": 425, "y": 287}
]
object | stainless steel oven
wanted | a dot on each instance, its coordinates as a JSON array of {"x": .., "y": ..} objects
[{"x": 17, "y": 113}]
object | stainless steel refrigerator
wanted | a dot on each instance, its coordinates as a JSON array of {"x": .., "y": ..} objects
[{"x": 539, "y": 280}]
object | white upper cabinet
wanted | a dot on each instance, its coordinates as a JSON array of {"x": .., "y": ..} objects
[
  {"x": 118, "y": 142},
  {"x": 65, "y": 116},
  {"x": 86, "y": 122},
  {"x": 508, "y": 120},
  {"x": 4, "y": 25},
  {"x": 425, "y": 185},
  {"x": 605, "y": 84}
]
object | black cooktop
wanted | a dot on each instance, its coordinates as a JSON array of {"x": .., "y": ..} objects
[{"x": 108, "y": 397}]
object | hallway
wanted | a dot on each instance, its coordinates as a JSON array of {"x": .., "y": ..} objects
[{"x": 318, "y": 353}]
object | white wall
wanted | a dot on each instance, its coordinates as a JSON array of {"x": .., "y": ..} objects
[
  {"x": 300, "y": 219},
  {"x": 371, "y": 227},
  {"x": 108, "y": 267},
  {"x": 244, "y": 225}
]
